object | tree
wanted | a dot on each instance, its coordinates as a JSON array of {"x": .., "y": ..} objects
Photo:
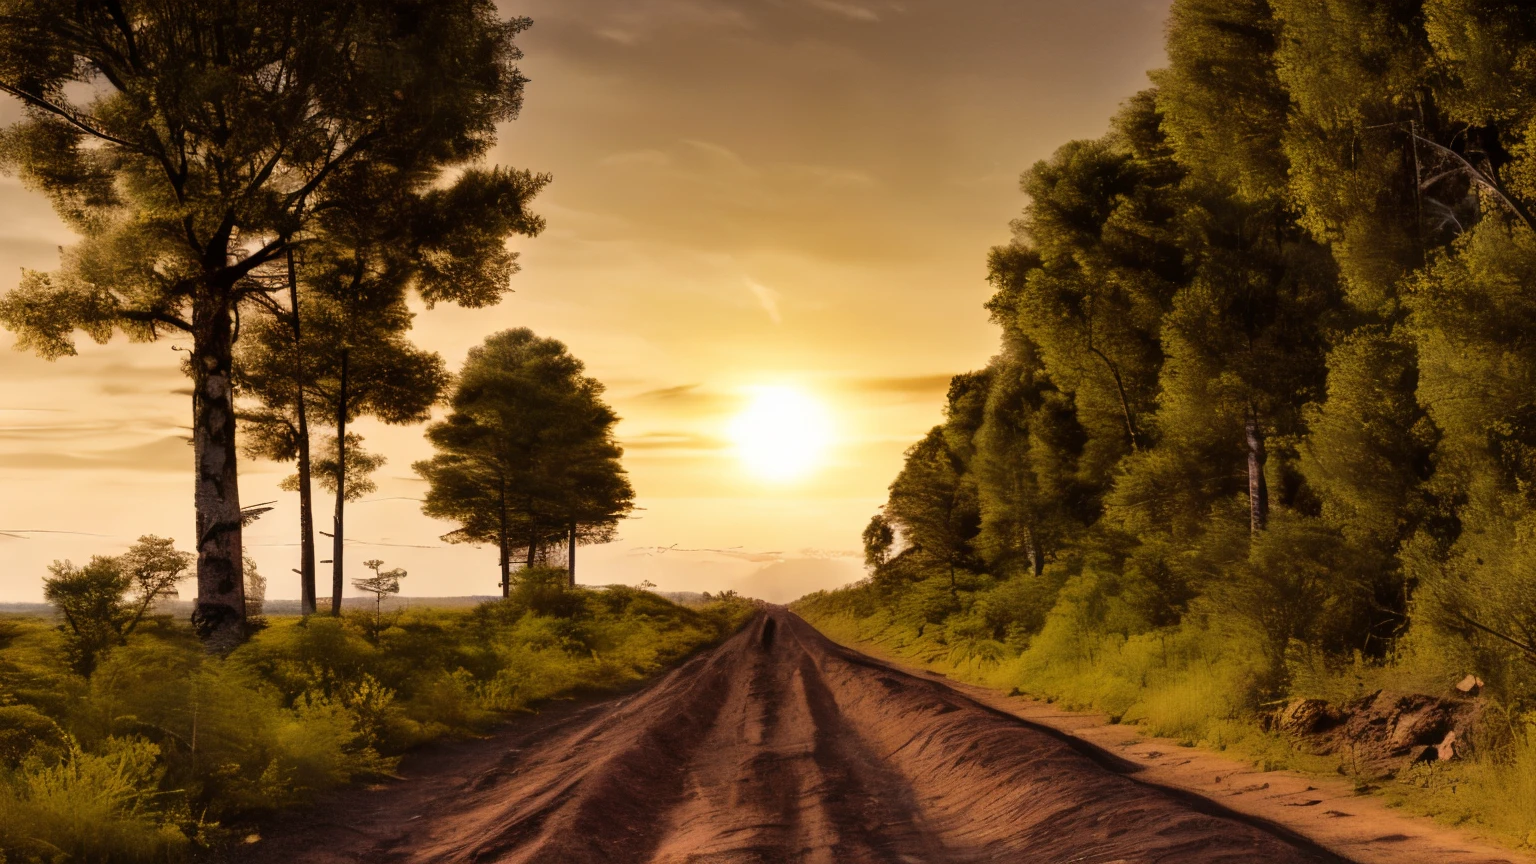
[
  {"x": 380, "y": 583},
  {"x": 934, "y": 505},
  {"x": 878, "y": 538},
  {"x": 1027, "y": 451},
  {"x": 1222, "y": 97},
  {"x": 104, "y": 602},
  {"x": 1090, "y": 274},
  {"x": 351, "y": 357},
  {"x": 193, "y": 145},
  {"x": 526, "y": 457}
]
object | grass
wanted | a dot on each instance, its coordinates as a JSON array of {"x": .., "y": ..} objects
[
  {"x": 162, "y": 747},
  {"x": 1196, "y": 686}
]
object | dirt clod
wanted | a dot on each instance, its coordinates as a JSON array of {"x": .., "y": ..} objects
[{"x": 1380, "y": 734}]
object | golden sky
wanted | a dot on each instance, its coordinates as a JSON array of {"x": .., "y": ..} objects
[{"x": 775, "y": 193}]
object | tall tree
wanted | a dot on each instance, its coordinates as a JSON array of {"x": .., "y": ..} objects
[
  {"x": 192, "y": 145},
  {"x": 1096, "y": 262},
  {"x": 933, "y": 504},
  {"x": 352, "y": 359},
  {"x": 526, "y": 458},
  {"x": 353, "y": 365}
]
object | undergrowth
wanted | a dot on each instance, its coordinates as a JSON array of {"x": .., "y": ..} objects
[
  {"x": 161, "y": 747},
  {"x": 1199, "y": 684}
]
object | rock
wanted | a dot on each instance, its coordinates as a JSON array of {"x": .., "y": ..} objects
[
  {"x": 1448, "y": 748},
  {"x": 1470, "y": 685},
  {"x": 1381, "y": 733}
]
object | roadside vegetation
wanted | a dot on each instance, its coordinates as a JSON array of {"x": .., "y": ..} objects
[
  {"x": 1261, "y": 426},
  {"x": 271, "y": 187},
  {"x": 160, "y": 747}
]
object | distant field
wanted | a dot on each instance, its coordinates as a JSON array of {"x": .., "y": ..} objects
[{"x": 183, "y": 608}]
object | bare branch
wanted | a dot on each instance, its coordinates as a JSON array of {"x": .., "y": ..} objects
[{"x": 70, "y": 116}]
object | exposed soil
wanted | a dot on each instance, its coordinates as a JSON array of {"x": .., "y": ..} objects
[
  {"x": 1381, "y": 734},
  {"x": 1329, "y": 811},
  {"x": 777, "y": 746}
]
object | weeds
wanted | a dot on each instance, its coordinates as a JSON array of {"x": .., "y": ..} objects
[
  {"x": 1201, "y": 686},
  {"x": 145, "y": 758}
]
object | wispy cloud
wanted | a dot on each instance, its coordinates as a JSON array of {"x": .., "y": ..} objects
[
  {"x": 851, "y": 11},
  {"x": 169, "y": 454},
  {"x": 649, "y": 158},
  {"x": 686, "y": 397},
  {"x": 736, "y": 552},
  {"x": 907, "y": 385},
  {"x": 672, "y": 394},
  {"x": 615, "y": 34},
  {"x": 637, "y": 21},
  {"x": 690, "y": 441},
  {"x": 766, "y": 298}
]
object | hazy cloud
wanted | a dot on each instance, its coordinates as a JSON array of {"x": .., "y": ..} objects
[
  {"x": 851, "y": 11},
  {"x": 907, "y": 385},
  {"x": 172, "y": 454},
  {"x": 736, "y": 552},
  {"x": 674, "y": 441},
  {"x": 630, "y": 158},
  {"x": 766, "y": 298},
  {"x": 793, "y": 578}
]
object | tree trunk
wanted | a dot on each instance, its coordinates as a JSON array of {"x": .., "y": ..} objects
[
  {"x": 306, "y": 496},
  {"x": 1132, "y": 434},
  {"x": 501, "y": 543},
  {"x": 570, "y": 555},
  {"x": 533, "y": 541},
  {"x": 1036, "y": 556},
  {"x": 1258, "y": 491},
  {"x": 219, "y": 616},
  {"x": 341, "y": 489}
]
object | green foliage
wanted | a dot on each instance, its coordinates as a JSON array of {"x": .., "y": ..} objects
[
  {"x": 103, "y": 602},
  {"x": 196, "y": 147},
  {"x": 878, "y": 538},
  {"x": 527, "y": 458},
  {"x": 1262, "y": 421},
  {"x": 146, "y": 758}
]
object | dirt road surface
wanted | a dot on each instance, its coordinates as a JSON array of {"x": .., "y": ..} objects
[{"x": 777, "y": 746}]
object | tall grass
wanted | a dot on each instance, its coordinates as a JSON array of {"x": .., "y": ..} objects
[
  {"x": 1199, "y": 683},
  {"x": 162, "y": 747}
]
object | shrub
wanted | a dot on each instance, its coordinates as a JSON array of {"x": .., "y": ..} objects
[{"x": 108, "y": 767}]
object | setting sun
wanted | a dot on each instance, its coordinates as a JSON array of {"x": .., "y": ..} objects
[{"x": 782, "y": 434}]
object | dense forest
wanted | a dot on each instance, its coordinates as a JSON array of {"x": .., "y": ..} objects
[{"x": 1263, "y": 422}]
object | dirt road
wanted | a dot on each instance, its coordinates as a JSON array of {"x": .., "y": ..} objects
[{"x": 777, "y": 746}]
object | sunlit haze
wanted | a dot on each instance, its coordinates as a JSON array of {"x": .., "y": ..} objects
[{"x": 767, "y": 235}]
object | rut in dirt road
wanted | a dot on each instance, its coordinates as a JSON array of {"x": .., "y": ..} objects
[{"x": 781, "y": 746}]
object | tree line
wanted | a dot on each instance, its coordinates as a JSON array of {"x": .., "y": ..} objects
[
  {"x": 1267, "y": 357},
  {"x": 270, "y": 185}
]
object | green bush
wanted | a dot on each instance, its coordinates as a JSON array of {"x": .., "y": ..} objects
[{"x": 111, "y": 766}]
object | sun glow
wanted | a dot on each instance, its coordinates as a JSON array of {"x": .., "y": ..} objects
[{"x": 782, "y": 435}]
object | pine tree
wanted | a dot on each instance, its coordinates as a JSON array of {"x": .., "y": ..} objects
[
  {"x": 193, "y": 145},
  {"x": 526, "y": 457}
]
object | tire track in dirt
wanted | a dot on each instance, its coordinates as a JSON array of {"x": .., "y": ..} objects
[{"x": 781, "y": 746}]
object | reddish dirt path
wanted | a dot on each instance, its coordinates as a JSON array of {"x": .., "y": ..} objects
[{"x": 777, "y": 746}]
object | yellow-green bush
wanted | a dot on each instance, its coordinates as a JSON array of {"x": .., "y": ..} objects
[
  {"x": 1201, "y": 682},
  {"x": 143, "y": 759}
]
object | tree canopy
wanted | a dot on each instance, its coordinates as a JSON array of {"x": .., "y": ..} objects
[
  {"x": 193, "y": 146},
  {"x": 1265, "y": 359},
  {"x": 526, "y": 457}
]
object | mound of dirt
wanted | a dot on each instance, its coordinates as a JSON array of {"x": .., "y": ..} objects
[
  {"x": 780, "y": 746},
  {"x": 1380, "y": 734}
]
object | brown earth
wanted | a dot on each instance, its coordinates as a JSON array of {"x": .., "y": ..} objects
[
  {"x": 777, "y": 746},
  {"x": 1382, "y": 733},
  {"x": 1330, "y": 811}
]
